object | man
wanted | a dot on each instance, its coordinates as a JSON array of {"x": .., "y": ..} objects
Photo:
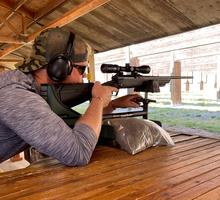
[{"x": 26, "y": 118}]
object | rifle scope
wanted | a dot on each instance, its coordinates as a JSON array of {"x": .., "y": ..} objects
[{"x": 111, "y": 68}]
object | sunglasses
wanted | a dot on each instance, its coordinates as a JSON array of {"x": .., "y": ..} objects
[{"x": 81, "y": 68}]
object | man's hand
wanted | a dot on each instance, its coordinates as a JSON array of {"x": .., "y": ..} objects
[
  {"x": 127, "y": 101},
  {"x": 131, "y": 100},
  {"x": 104, "y": 93}
]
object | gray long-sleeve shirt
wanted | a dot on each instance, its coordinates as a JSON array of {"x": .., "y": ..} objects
[{"x": 26, "y": 119}]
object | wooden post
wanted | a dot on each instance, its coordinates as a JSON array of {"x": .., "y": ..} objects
[
  {"x": 201, "y": 85},
  {"x": 176, "y": 84},
  {"x": 91, "y": 69},
  {"x": 218, "y": 78},
  {"x": 187, "y": 85}
]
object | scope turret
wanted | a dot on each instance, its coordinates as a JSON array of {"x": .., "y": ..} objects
[{"x": 111, "y": 68}]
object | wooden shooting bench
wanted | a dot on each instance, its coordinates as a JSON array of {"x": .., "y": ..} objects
[{"x": 189, "y": 170}]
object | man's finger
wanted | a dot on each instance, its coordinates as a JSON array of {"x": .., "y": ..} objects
[
  {"x": 135, "y": 105},
  {"x": 114, "y": 89}
]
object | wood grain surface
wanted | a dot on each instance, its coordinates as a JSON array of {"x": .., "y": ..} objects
[{"x": 190, "y": 169}]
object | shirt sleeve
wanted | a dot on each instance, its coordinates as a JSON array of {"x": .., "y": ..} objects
[{"x": 30, "y": 117}]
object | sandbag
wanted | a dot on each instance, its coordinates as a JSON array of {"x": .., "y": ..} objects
[{"x": 135, "y": 135}]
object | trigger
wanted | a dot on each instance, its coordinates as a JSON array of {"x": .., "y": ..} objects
[{"x": 114, "y": 93}]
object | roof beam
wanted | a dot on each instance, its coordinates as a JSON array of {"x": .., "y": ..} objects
[
  {"x": 17, "y": 6},
  {"x": 10, "y": 40},
  {"x": 4, "y": 67},
  {"x": 6, "y": 4},
  {"x": 78, "y": 11},
  {"x": 50, "y": 7},
  {"x": 9, "y": 25},
  {"x": 10, "y": 60}
]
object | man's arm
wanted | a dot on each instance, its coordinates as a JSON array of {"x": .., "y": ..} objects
[
  {"x": 101, "y": 96},
  {"x": 30, "y": 117}
]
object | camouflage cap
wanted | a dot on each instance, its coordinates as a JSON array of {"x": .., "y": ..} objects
[{"x": 49, "y": 44}]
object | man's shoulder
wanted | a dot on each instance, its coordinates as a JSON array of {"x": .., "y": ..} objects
[{"x": 15, "y": 79}]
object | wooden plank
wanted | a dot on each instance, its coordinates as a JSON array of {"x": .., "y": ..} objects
[
  {"x": 109, "y": 185},
  {"x": 173, "y": 133},
  {"x": 51, "y": 6},
  {"x": 112, "y": 191},
  {"x": 78, "y": 11},
  {"x": 16, "y": 7},
  {"x": 112, "y": 21},
  {"x": 155, "y": 190},
  {"x": 189, "y": 131},
  {"x": 113, "y": 174},
  {"x": 12, "y": 40},
  {"x": 175, "y": 183},
  {"x": 199, "y": 185},
  {"x": 82, "y": 30},
  {"x": 213, "y": 195},
  {"x": 7, "y": 4},
  {"x": 99, "y": 30},
  {"x": 9, "y": 25},
  {"x": 181, "y": 138},
  {"x": 120, "y": 157},
  {"x": 105, "y": 169},
  {"x": 9, "y": 49}
]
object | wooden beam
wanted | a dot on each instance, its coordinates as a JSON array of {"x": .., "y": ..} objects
[
  {"x": 18, "y": 5},
  {"x": 10, "y": 40},
  {"x": 50, "y": 7},
  {"x": 34, "y": 17},
  {"x": 2, "y": 68},
  {"x": 24, "y": 28},
  {"x": 2, "y": 60},
  {"x": 78, "y": 11},
  {"x": 9, "y": 25},
  {"x": 9, "y": 49},
  {"x": 8, "y": 5}
]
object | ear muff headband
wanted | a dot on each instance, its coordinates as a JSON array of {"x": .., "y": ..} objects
[{"x": 60, "y": 67}]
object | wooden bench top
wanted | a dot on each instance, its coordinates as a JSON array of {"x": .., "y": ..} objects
[{"x": 189, "y": 170}]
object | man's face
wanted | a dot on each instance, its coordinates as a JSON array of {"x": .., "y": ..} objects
[{"x": 78, "y": 73}]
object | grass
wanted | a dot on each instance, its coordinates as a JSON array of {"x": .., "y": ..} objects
[
  {"x": 201, "y": 119},
  {"x": 190, "y": 118}
]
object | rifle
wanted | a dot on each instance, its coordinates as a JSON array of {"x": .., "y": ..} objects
[
  {"x": 70, "y": 95},
  {"x": 62, "y": 97}
]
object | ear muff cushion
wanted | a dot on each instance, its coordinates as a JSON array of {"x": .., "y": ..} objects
[{"x": 58, "y": 68}]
